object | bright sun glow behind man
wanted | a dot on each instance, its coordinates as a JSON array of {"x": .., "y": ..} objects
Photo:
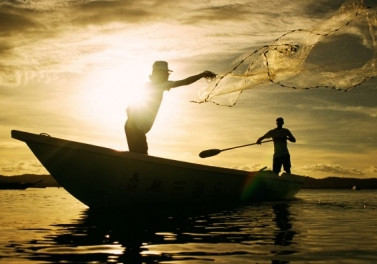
[{"x": 106, "y": 93}]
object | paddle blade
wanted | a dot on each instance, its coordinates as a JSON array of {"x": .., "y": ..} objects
[{"x": 209, "y": 153}]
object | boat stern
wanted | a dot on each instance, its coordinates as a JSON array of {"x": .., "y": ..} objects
[{"x": 265, "y": 185}]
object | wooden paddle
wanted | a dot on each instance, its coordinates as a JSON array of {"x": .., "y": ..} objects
[{"x": 212, "y": 152}]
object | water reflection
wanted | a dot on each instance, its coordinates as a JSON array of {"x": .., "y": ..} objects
[
  {"x": 285, "y": 233},
  {"x": 257, "y": 232}
]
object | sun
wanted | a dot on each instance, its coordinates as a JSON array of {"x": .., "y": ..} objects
[{"x": 106, "y": 92}]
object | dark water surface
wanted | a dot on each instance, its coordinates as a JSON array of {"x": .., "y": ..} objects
[{"x": 321, "y": 226}]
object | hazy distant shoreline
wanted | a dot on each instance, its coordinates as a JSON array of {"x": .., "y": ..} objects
[
  {"x": 41, "y": 181},
  {"x": 332, "y": 182}
]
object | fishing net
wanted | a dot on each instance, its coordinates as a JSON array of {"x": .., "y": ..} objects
[{"x": 337, "y": 53}]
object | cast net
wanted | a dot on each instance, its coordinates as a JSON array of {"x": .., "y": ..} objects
[{"x": 337, "y": 53}]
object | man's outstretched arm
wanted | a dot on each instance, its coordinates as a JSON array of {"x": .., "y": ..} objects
[{"x": 192, "y": 79}]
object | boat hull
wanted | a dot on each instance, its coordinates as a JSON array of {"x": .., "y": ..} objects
[{"x": 102, "y": 177}]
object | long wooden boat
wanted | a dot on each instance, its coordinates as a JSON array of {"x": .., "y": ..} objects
[{"x": 101, "y": 177}]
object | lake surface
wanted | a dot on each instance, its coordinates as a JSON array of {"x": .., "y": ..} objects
[{"x": 320, "y": 226}]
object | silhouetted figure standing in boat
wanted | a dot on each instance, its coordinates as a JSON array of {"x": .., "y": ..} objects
[
  {"x": 281, "y": 153},
  {"x": 141, "y": 116}
]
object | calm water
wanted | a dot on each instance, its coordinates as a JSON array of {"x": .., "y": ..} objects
[{"x": 321, "y": 226}]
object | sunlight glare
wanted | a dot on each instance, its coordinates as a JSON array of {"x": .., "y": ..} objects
[{"x": 107, "y": 91}]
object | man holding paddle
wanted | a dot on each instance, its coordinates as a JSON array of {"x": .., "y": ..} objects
[
  {"x": 280, "y": 136},
  {"x": 141, "y": 116}
]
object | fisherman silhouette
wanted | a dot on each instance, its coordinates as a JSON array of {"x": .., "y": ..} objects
[
  {"x": 142, "y": 116},
  {"x": 280, "y": 136}
]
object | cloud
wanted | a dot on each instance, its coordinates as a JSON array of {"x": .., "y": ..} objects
[
  {"x": 321, "y": 8},
  {"x": 249, "y": 167},
  {"x": 46, "y": 39},
  {"x": 333, "y": 169},
  {"x": 10, "y": 22},
  {"x": 221, "y": 13},
  {"x": 16, "y": 19},
  {"x": 104, "y": 12},
  {"x": 362, "y": 110},
  {"x": 371, "y": 170},
  {"x": 8, "y": 145},
  {"x": 21, "y": 167}
]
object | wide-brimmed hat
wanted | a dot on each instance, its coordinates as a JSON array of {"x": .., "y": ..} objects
[{"x": 161, "y": 66}]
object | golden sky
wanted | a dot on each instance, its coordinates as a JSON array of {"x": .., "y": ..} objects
[{"x": 68, "y": 67}]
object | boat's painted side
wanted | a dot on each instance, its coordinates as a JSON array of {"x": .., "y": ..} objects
[{"x": 102, "y": 177}]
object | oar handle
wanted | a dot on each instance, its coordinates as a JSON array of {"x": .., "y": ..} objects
[
  {"x": 250, "y": 144},
  {"x": 212, "y": 152}
]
